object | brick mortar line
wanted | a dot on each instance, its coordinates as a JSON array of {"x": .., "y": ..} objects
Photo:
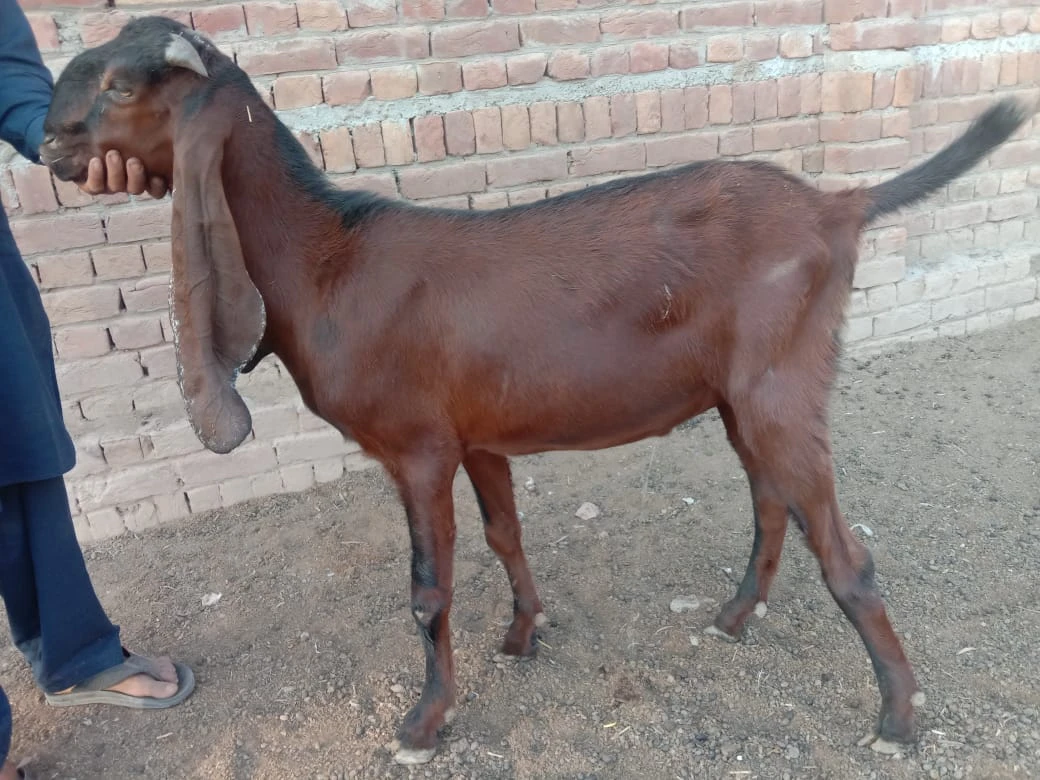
[{"x": 324, "y": 117}]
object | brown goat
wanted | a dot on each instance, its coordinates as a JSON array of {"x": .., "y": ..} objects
[{"x": 436, "y": 338}]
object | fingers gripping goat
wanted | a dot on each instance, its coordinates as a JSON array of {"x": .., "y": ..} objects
[{"x": 438, "y": 339}]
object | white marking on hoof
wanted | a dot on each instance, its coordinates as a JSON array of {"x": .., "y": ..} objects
[
  {"x": 918, "y": 699},
  {"x": 761, "y": 608},
  {"x": 412, "y": 757},
  {"x": 449, "y": 716},
  {"x": 720, "y": 634},
  {"x": 540, "y": 619},
  {"x": 885, "y": 747}
]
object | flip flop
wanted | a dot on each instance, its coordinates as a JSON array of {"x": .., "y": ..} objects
[{"x": 94, "y": 690}]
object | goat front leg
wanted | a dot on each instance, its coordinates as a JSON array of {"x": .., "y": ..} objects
[
  {"x": 425, "y": 484},
  {"x": 493, "y": 485}
]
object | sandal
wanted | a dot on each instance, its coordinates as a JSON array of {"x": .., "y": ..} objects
[{"x": 94, "y": 690}]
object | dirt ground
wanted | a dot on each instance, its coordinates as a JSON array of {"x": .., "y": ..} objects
[{"x": 309, "y": 659}]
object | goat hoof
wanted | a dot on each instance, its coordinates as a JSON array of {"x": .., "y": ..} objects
[
  {"x": 880, "y": 745},
  {"x": 718, "y": 633},
  {"x": 413, "y": 756}
]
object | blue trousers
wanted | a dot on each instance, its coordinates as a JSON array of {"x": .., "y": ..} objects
[{"x": 55, "y": 617}]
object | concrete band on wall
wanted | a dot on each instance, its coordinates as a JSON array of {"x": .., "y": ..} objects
[{"x": 484, "y": 103}]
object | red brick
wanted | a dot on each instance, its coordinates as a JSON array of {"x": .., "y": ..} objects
[
  {"x": 379, "y": 183},
  {"x": 368, "y": 146},
  {"x": 136, "y": 332},
  {"x": 487, "y": 127},
  {"x": 954, "y": 29},
  {"x": 526, "y": 195},
  {"x": 423, "y": 10},
  {"x": 219, "y": 21},
  {"x": 607, "y": 60},
  {"x": 459, "y": 134},
  {"x": 64, "y": 270},
  {"x": 850, "y": 128},
  {"x": 776, "y": 13},
  {"x": 513, "y": 6},
  {"x": 338, "y": 150},
  {"x": 96, "y": 29},
  {"x": 681, "y": 149},
  {"x": 733, "y": 143},
  {"x": 465, "y": 9},
  {"x": 914, "y": 8},
  {"x": 524, "y": 169},
  {"x": 526, "y": 68},
  {"x": 516, "y": 127},
  {"x": 641, "y": 23},
  {"x": 879, "y": 155},
  {"x": 1014, "y": 21},
  {"x": 484, "y": 74},
  {"x": 118, "y": 262},
  {"x": 35, "y": 191},
  {"x": 725, "y": 48},
  {"x": 543, "y": 123},
  {"x": 366, "y": 13},
  {"x": 646, "y": 56},
  {"x": 327, "y": 15},
  {"x": 597, "y": 117},
  {"x": 811, "y": 93},
  {"x": 884, "y": 88},
  {"x": 397, "y": 142},
  {"x": 720, "y": 104},
  {"x": 45, "y": 31},
  {"x": 789, "y": 96},
  {"x": 460, "y": 40},
  {"x": 985, "y": 25},
  {"x": 347, "y": 87},
  {"x": 989, "y": 73},
  {"x": 766, "y": 100},
  {"x": 738, "y": 14},
  {"x": 1008, "y": 70},
  {"x": 743, "y": 109},
  {"x": 143, "y": 221},
  {"x": 393, "y": 83},
  {"x": 648, "y": 112},
  {"x": 297, "y": 92},
  {"x": 439, "y": 78},
  {"x": 853, "y": 10},
  {"x": 788, "y": 134},
  {"x": 885, "y": 34},
  {"x": 570, "y": 122},
  {"x": 696, "y": 107},
  {"x": 673, "y": 119},
  {"x": 405, "y": 43},
  {"x": 568, "y": 65},
  {"x": 896, "y": 125},
  {"x": 55, "y": 233},
  {"x": 796, "y": 44},
  {"x": 81, "y": 341},
  {"x": 683, "y": 56},
  {"x": 622, "y": 115},
  {"x": 81, "y": 304},
  {"x": 489, "y": 200},
  {"x": 847, "y": 90},
  {"x": 270, "y": 18},
  {"x": 311, "y": 145},
  {"x": 270, "y": 57},
  {"x": 429, "y": 138},
  {"x": 905, "y": 87},
  {"x": 1011, "y": 206},
  {"x": 612, "y": 158},
  {"x": 1034, "y": 21},
  {"x": 560, "y": 30},
  {"x": 759, "y": 46}
]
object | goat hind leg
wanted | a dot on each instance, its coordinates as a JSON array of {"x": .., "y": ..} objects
[
  {"x": 426, "y": 492},
  {"x": 493, "y": 486},
  {"x": 770, "y": 525}
]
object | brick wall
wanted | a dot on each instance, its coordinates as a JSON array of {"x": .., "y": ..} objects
[{"x": 484, "y": 103}]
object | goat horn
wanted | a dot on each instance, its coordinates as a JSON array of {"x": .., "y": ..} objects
[{"x": 182, "y": 54}]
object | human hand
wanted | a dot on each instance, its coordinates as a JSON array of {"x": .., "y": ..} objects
[{"x": 112, "y": 175}]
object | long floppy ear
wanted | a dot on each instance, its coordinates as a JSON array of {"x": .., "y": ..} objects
[{"x": 217, "y": 313}]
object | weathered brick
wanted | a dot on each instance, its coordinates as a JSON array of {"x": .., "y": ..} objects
[
  {"x": 516, "y": 127},
  {"x": 395, "y": 82},
  {"x": 338, "y": 150},
  {"x": 648, "y": 112},
  {"x": 206, "y": 467},
  {"x": 397, "y": 142},
  {"x": 493, "y": 37},
  {"x": 647, "y": 57},
  {"x": 271, "y": 57},
  {"x": 98, "y": 28},
  {"x": 489, "y": 200},
  {"x": 597, "y": 117},
  {"x": 725, "y": 48},
  {"x": 35, "y": 191},
  {"x": 759, "y": 46},
  {"x": 90, "y": 374},
  {"x": 543, "y": 123},
  {"x": 721, "y": 14},
  {"x": 733, "y": 143},
  {"x": 985, "y": 25},
  {"x": 696, "y": 107},
  {"x": 404, "y": 43},
  {"x": 1007, "y": 207},
  {"x": 487, "y": 128},
  {"x": 526, "y": 195},
  {"x": 570, "y": 122},
  {"x": 960, "y": 215},
  {"x": 523, "y": 169},
  {"x": 145, "y": 220},
  {"x": 526, "y": 68},
  {"x": 879, "y": 155},
  {"x": 901, "y": 319},
  {"x": 264, "y": 18},
  {"x": 847, "y": 90},
  {"x": 465, "y": 9},
  {"x": 484, "y": 74},
  {"x": 326, "y": 15},
  {"x": 682, "y": 56},
  {"x": 766, "y": 99},
  {"x": 368, "y": 145},
  {"x": 366, "y": 13},
  {"x": 429, "y": 138},
  {"x": 777, "y": 13},
  {"x": 81, "y": 341},
  {"x": 423, "y": 10},
  {"x": 613, "y": 158},
  {"x": 720, "y": 104},
  {"x": 81, "y": 304},
  {"x": 884, "y": 34},
  {"x": 459, "y": 134},
  {"x": 850, "y": 127},
  {"x": 568, "y": 65},
  {"x": 50, "y": 234},
  {"x": 328, "y": 469},
  {"x": 439, "y": 78},
  {"x": 118, "y": 262},
  {"x": 1011, "y": 293},
  {"x": 45, "y": 31},
  {"x": 681, "y": 149},
  {"x": 796, "y": 44},
  {"x": 743, "y": 98},
  {"x": 64, "y": 270},
  {"x": 640, "y": 23},
  {"x": 560, "y": 30},
  {"x": 883, "y": 270},
  {"x": 297, "y": 91},
  {"x": 346, "y": 88},
  {"x": 853, "y": 10},
  {"x": 622, "y": 114},
  {"x": 312, "y": 445},
  {"x": 785, "y": 134},
  {"x": 513, "y": 6},
  {"x": 297, "y": 477},
  {"x": 959, "y": 306},
  {"x": 673, "y": 112},
  {"x": 219, "y": 21}
]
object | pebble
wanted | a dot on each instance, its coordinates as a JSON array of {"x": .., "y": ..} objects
[
  {"x": 587, "y": 511},
  {"x": 684, "y": 604}
]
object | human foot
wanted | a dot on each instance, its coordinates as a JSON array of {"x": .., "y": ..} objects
[{"x": 138, "y": 682}]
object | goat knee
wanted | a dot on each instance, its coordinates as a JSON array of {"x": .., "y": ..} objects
[{"x": 428, "y": 605}]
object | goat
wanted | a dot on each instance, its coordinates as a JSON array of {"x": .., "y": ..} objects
[{"x": 436, "y": 338}]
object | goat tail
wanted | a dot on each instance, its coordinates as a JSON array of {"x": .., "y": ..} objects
[{"x": 987, "y": 132}]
